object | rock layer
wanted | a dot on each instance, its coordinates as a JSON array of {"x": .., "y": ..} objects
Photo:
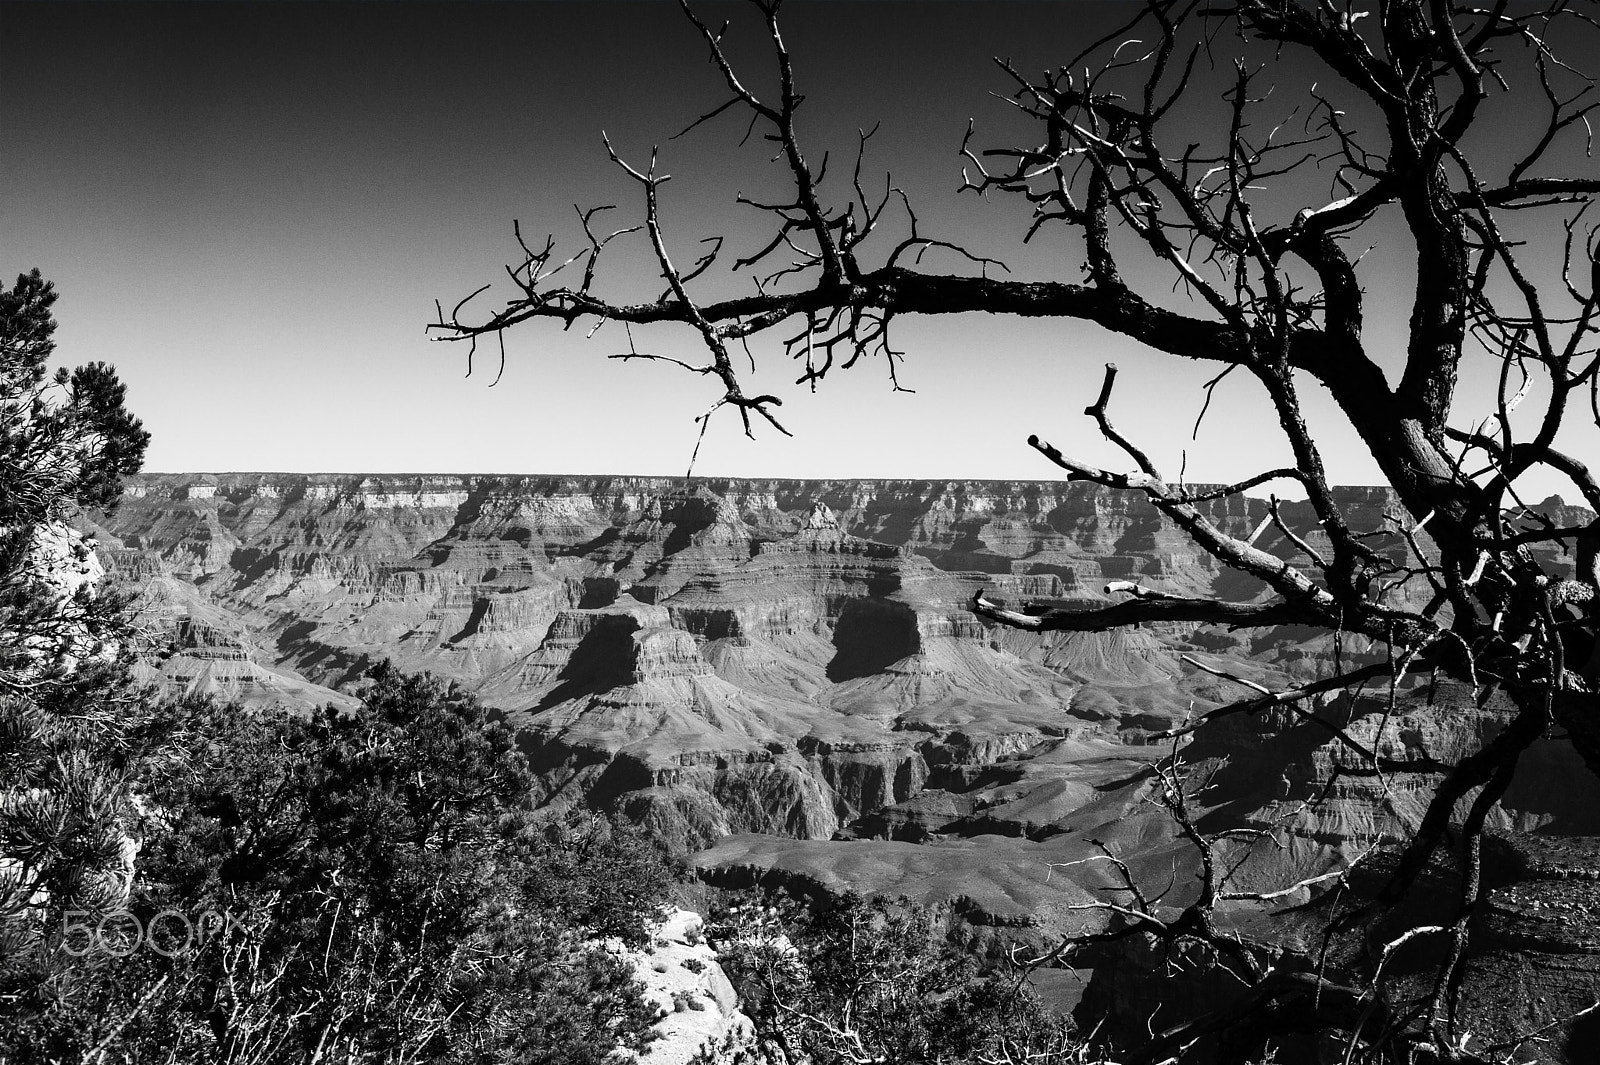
[
  {"x": 786, "y": 673},
  {"x": 789, "y": 658},
  {"x": 779, "y": 656}
]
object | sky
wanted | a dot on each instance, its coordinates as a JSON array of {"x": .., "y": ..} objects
[{"x": 251, "y": 208}]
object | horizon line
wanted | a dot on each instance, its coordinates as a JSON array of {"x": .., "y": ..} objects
[{"x": 662, "y": 477}]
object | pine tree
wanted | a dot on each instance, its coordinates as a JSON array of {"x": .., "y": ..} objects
[{"x": 69, "y": 719}]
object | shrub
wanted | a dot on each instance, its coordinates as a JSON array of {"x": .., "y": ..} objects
[
  {"x": 383, "y": 891},
  {"x": 870, "y": 979}
]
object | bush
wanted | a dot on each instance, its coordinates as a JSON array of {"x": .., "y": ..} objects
[
  {"x": 363, "y": 886},
  {"x": 870, "y": 979}
]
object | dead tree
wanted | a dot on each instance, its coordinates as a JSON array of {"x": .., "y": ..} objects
[{"x": 1459, "y": 129}]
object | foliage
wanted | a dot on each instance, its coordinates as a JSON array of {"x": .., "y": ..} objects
[
  {"x": 65, "y": 443},
  {"x": 70, "y": 729},
  {"x": 65, "y": 813},
  {"x": 62, "y": 444},
  {"x": 363, "y": 886},
  {"x": 874, "y": 980}
]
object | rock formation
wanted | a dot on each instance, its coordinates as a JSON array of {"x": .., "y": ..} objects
[
  {"x": 59, "y": 566},
  {"x": 782, "y": 657},
  {"x": 785, "y": 676},
  {"x": 697, "y": 1013},
  {"x": 786, "y": 672}
]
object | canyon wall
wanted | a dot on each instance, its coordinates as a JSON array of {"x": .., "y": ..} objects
[
  {"x": 775, "y": 667},
  {"x": 792, "y": 657},
  {"x": 784, "y": 677}
]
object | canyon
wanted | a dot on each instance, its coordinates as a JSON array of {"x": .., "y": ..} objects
[{"x": 783, "y": 678}]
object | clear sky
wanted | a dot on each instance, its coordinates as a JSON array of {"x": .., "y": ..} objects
[{"x": 250, "y": 209}]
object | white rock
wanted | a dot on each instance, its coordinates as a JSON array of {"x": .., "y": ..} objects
[
  {"x": 61, "y": 564},
  {"x": 699, "y": 1012}
]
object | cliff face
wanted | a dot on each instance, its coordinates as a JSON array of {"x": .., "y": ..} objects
[
  {"x": 790, "y": 658},
  {"x": 786, "y": 675},
  {"x": 779, "y": 656}
]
